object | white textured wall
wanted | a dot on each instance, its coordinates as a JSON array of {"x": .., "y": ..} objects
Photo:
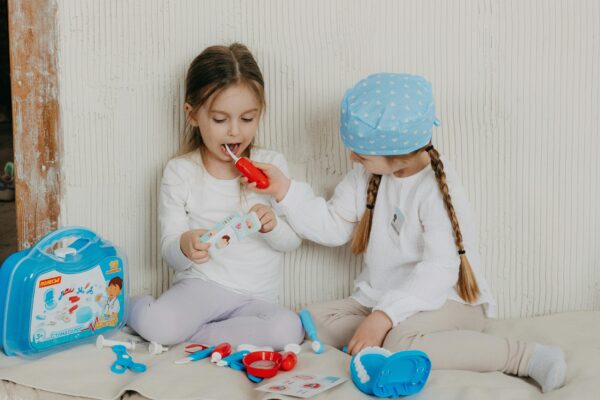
[{"x": 517, "y": 86}]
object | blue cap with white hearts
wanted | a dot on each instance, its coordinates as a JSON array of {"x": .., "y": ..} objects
[{"x": 388, "y": 114}]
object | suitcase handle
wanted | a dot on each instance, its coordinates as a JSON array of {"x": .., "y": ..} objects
[{"x": 82, "y": 235}]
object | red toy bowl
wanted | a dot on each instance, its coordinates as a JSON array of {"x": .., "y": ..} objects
[{"x": 263, "y": 364}]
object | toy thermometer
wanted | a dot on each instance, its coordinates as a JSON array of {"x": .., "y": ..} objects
[{"x": 248, "y": 169}]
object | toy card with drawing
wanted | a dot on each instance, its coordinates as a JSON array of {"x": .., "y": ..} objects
[
  {"x": 302, "y": 385},
  {"x": 230, "y": 230}
]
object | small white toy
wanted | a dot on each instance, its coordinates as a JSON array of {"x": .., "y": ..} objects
[
  {"x": 251, "y": 348},
  {"x": 102, "y": 342},
  {"x": 156, "y": 348},
  {"x": 292, "y": 347}
]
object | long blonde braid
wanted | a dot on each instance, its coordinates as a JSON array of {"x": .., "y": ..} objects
[
  {"x": 467, "y": 284},
  {"x": 360, "y": 240}
]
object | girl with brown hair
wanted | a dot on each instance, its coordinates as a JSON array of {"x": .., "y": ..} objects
[
  {"x": 229, "y": 295},
  {"x": 405, "y": 211}
]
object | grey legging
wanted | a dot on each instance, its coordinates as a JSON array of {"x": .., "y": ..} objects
[{"x": 195, "y": 310}]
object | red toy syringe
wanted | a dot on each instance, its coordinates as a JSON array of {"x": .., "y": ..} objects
[{"x": 248, "y": 169}]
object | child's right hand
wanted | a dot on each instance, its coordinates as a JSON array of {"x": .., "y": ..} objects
[
  {"x": 279, "y": 184},
  {"x": 192, "y": 247}
]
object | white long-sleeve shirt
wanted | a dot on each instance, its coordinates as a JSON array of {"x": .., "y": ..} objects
[
  {"x": 191, "y": 198},
  {"x": 411, "y": 263}
]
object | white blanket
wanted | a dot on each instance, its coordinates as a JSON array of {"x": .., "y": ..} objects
[{"x": 85, "y": 371}]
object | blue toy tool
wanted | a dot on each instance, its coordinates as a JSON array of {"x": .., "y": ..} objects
[
  {"x": 199, "y": 355},
  {"x": 377, "y": 372},
  {"x": 253, "y": 378},
  {"x": 234, "y": 361},
  {"x": 125, "y": 362},
  {"x": 311, "y": 331}
]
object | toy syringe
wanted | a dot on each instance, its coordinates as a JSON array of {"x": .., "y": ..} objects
[
  {"x": 248, "y": 169},
  {"x": 311, "y": 331}
]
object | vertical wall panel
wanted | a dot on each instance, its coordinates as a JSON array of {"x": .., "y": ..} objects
[{"x": 517, "y": 89}]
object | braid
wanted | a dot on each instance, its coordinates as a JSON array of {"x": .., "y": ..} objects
[
  {"x": 363, "y": 229},
  {"x": 467, "y": 284}
]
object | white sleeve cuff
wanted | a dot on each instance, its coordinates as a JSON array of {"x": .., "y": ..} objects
[
  {"x": 282, "y": 237},
  {"x": 274, "y": 233},
  {"x": 292, "y": 199},
  {"x": 175, "y": 257},
  {"x": 399, "y": 309}
]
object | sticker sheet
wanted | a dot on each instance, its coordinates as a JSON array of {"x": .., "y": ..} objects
[{"x": 302, "y": 385}]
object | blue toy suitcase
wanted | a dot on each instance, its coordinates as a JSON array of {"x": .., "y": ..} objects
[{"x": 53, "y": 298}]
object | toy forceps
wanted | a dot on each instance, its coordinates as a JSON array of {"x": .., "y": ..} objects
[
  {"x": 125, "y": 362},
  {"x": 194, "y": 347},
  {"x": 196, "y": 356}
]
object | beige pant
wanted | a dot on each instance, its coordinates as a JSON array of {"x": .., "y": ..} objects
[{"x": 452, "y": 336}]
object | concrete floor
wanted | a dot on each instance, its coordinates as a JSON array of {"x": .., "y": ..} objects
[{"x": 8, "y": 219}]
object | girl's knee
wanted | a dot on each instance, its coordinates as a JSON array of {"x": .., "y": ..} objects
[
  {"x": 400, "y": 341},
  {"x": 167, "y": 333},
  {"x": 152, "y": 324},
  {"x": 319, "y": 316},
  {"x": 284, "y": 328},
  {"x": 316, "y": 311}
]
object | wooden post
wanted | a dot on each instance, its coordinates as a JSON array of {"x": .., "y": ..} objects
[{"x": 33, "y": 59}]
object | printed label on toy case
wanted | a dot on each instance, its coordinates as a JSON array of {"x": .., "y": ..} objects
[{"x": 72, "y": 306}]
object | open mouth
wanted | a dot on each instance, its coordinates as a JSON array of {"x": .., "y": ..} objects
[{"x": 234, "y": 147}]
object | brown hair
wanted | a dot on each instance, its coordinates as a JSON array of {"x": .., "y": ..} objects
[
  {"x": 467, "y": 284},
  {"x": 360, "y": 240},
  {"x": 212, "y": 71},
  {"x": 117, "y": 281}
]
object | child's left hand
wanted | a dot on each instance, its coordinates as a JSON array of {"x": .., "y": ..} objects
[
  {"x": 371, "y": 332},
  {"x": 267, "y": 217}
]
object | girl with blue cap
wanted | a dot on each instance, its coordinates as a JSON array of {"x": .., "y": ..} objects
[{"x": 405, "y": 210}]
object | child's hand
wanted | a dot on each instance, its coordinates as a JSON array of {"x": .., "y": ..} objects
[
  {"x": 192, "y": 247},
  {"x": 267, "y": 217},
  {"x": 371, "y": 332},
  {"x": 278, "y": 182}
]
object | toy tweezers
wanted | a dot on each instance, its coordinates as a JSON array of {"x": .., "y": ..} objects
[{"x": 199, "y": 355}]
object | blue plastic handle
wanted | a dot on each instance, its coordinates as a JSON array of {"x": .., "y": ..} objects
[
  {"x": 308, "y": 324},
  {"x": 62, "y": 233},
  {"x": 234, "y": 361},
  {"x": 125, "y": 362},
  {"x": 202, "y": 354},
  {"x": 253, "y": 378}
]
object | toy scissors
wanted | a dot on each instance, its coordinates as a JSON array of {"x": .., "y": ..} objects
[{"x": 125, "y": 362}]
